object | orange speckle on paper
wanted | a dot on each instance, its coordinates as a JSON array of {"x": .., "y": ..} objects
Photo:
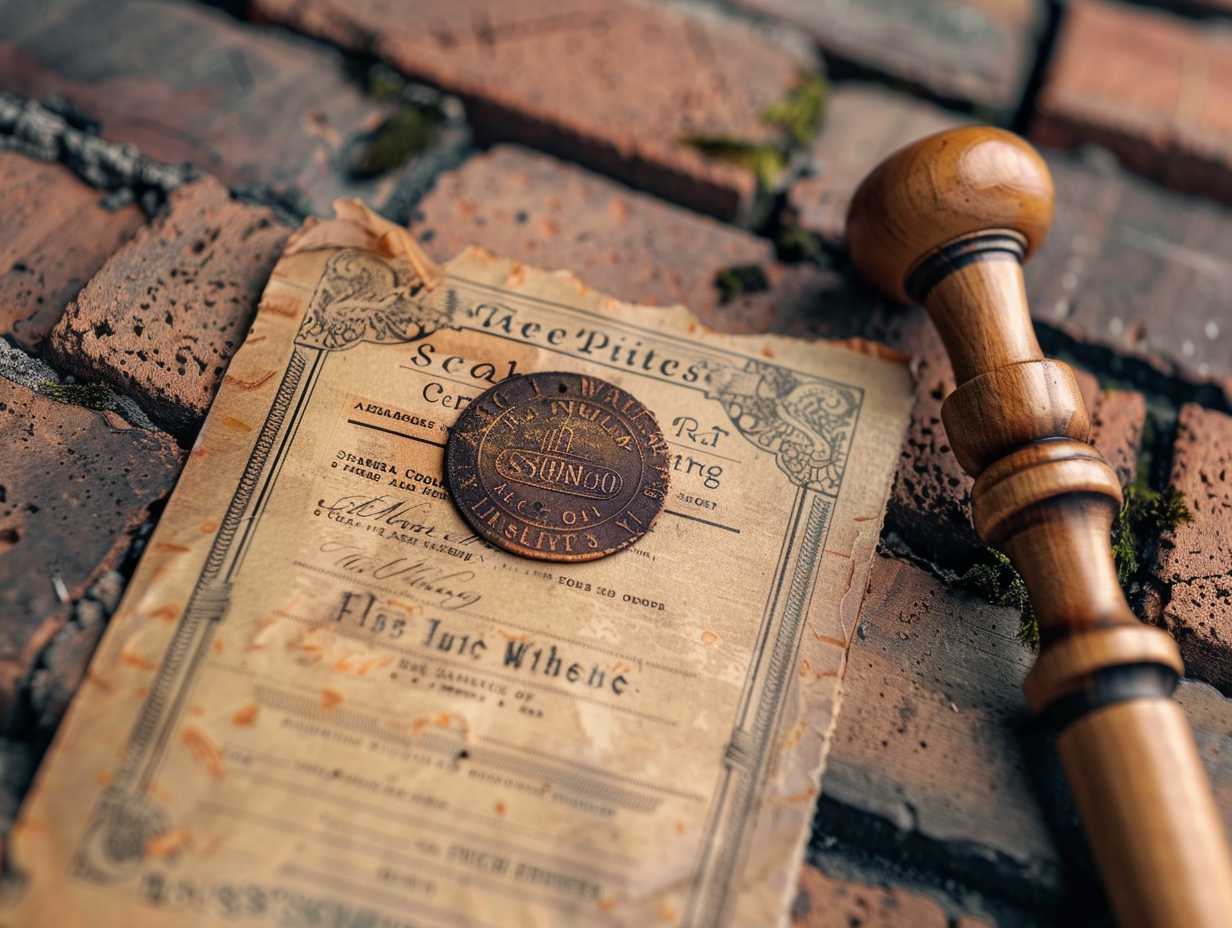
[
  {"x": 342, "y": 665},
  {"x": 805, "y": 668},
  {"x": 136, "y": 660},
  {"x": 196, "y": 711},
  {"x": 620, "y": 667},
  {"x": 245, "y": 716},
  {"x": 101, "y": 682},
  {"x": 204, "y": 749},
  {"x": 172, "y": 547},
  {"x": 104, "y": 777},
  {"x": 330, "y": 698},
  {"x": 667, "y": 912},
  {"x": 167, "y": 613},
  {"x": 217, "y": 646},
  {"x": 767, "y": 351},
  {"x": 208, "y": 526},
  {"x": 512, "y": 637},
  {"x": 248, "y": 384},
  {"x": 442, "y": 720},
  {"x": 418, "y": 725},
  {"x": 692, "y": 328},
  {"x": 279, "y": 306},
  {"x": 168, "y": 844},
  {"x": 236, "y": 425},
  {"x": 802, "y": 796},
  {"x": 709, "y": 637},
  {"x": 680, "y": 828},
  {"x": 141, "y": 692},
  {"x": 501, "y": 808},
  {"x": 830, "y": 639},
  {"x": 606, "y": 905}
]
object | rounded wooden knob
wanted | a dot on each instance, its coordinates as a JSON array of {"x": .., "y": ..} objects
[{"x": 941, "y": 189}]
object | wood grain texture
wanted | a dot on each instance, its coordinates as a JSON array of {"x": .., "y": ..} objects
[{"x": 948, "y": 221}]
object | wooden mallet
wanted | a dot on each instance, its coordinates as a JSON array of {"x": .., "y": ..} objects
[{"x": 946, "y": 222}]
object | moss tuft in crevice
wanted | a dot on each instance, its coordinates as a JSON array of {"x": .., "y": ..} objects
[
  {"x": 997, "y": 580},
  {"x": 798, "y": 116},
  {"x": 733, "y": 282},
  {"x": 89, "y": 395}
]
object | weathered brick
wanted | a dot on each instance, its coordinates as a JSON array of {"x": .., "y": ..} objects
[
  {"x": 933, "y": 755},
  {"x": 528, "y": 206},
  {"x": 1195, "y": 562},
  {"x": 1132, "y": 269},
  {"x": 1149, "y": 86},
  {"x": 614, "y": 84},
  {"x": 186, "y": 83},
  {"x": 163, "y": 316},
  {"x": 75, "y": 485},
  {"x": 827, "y": 902},
  {"x": 55, "y": 235},
  {"x": 977, "y": 51},
  {"x": 864, "y": 123}
]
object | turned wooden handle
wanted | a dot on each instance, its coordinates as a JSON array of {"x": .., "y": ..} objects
[{"x": 947, "y": 222}]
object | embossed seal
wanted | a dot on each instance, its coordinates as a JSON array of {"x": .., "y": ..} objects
[{"x": 557, "y": 466}]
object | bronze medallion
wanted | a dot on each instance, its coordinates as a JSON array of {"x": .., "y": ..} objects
[{"x": 557, "y": 466}]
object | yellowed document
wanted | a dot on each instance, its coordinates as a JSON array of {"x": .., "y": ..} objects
[{"x": 325, "y": 702}]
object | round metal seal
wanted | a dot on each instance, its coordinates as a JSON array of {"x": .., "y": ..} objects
[{"x": 557, "y": 466}]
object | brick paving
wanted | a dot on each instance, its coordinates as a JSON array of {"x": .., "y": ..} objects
[
  {"x": 557, "y": 76},
  {"x": 185, "y": 83},
  {"x": 56, "y": 233},
  {"x": 974, "y": 51},
  {"x": 163, "y": 316},
  {"x": 1148, "y": 86},
  {"x": 76, "y": 484},
  {"x": 941, "y": 804}
]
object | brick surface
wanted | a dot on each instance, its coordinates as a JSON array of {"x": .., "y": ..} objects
[
  {"x": 933, "y": 756},
  {"x": 978, "y": 51},
  {"x": 186, "y": 83},
  {"x": 75, "y": 485},
  {"x": 864, "y": 123},
  {"x": 531, "y": 207},
  {"x": 614, "y": 84},
  {"x": 55, "y": 235},
  {"x": 1196, "y": 562},
  {"x": 827, "y": 902},
  {"x": 166, "y": 312},
  {"x": 1149, "y": 86},
  {"x": 1138, "y": 271}
]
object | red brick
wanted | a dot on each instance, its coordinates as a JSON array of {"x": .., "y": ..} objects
[
  {"x": 1150, "y": 87},
  {"x": 979, "y": 51},
  {"x": 55, "y": 235},
  {"x": 826, "y": 902},
  {"x": 162, "y": 318},
  {"x": 76, "y": 484},
  {"x": 186, "y": 83},
  {"x": 614, "y": 84},
  {"x": 1195, "y": 563},
  {"x": 864, "y": 123},
  {"x": 531, "y": 207},
  {"x": 930, "y": 750},
  {"x": 1137, "y": 271}
]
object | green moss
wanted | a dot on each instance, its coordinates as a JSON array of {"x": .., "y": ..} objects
[
  {"x": 1145, "y": 515},
  {"x": 996, "y": 579},
  {"x": 801, "y": 112},
  {"x": 795, "y": 244},
  {"x": 408, "y": 132},
  {"x": 798, "y": 116},
  {"x": 89, "y": 395},
  {"x": 765, "y": 161},
  {"x": 741, "y": 279}
]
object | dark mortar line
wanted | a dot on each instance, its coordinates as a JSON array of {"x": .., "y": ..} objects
[
  {"x": 1134, "y": 372},
  {"x": 1054, "y": 14},
  {"x": 1192, "y": 12},
  {"x": 951, "y": 866}
]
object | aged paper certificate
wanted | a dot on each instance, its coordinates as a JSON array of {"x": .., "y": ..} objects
[{"x": 325, "y": 702}]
